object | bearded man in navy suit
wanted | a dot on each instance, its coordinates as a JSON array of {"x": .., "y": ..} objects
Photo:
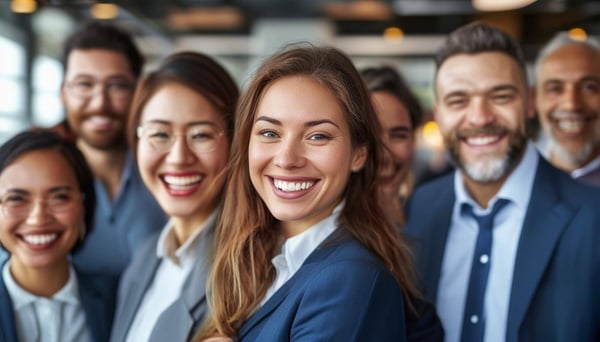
[{"x": 541, "y": 257}]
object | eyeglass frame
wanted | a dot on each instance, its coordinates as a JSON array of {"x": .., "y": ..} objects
[
  {"x": 47, "y": 206},
  {"x": 100, "y": 87},
  {"x": 140, "y": 129}
]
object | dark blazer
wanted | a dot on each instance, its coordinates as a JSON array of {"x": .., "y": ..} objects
[
  {"x": 554, "y": 294},
  {"x": 97, "y": 295},
  {"x": 342, "y": 292},
  {"x": 183, "y": 318}
]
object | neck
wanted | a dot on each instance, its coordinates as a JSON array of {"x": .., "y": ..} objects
[
  {"x": 570, "y": 166},
  {"x": 482, "y": 193},
  {"x": 107, "y": 165},
  {"x": 184, "y": 227},
  {"x": 43, "y": 282}
]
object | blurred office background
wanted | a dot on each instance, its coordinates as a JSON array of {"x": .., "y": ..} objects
[{"x": 239, "y": 33}]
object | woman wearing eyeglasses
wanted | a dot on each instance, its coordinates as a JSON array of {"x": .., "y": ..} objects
[
  {"x": 47, "y": 204},
  {"x": 180, "y": 129}
]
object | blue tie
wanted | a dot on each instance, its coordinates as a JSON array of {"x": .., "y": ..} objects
[{"x": 474, "y": 320}]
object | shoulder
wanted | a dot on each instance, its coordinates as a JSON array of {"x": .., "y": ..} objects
[
  {"x": 569, "y": 190},
  {"x": 431, "y": 190}
]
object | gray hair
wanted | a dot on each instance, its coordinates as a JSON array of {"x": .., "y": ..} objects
[{"x": 560, "y": 40}]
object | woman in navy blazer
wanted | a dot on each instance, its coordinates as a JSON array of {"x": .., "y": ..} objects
[
  {"x": 47, "y": 202},
  {"x": 305, "y": 252}
]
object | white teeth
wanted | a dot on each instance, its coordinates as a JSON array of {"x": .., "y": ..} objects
[
  {"x": 481, "y": 140},
  {"x": 100, "y": 120},
  {"x": 182, "y": 182},
  {"x": 40, "y": 239},
  {"x": 292, "y": 186},
  {"x": 570, "y": 126}
]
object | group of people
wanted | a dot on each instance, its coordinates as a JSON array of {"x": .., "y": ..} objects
[{"x": 171, "y": 206}]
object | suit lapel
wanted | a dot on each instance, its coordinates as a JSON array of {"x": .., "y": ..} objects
[
  {"x": 136, "y": 289},
  {"x": 432, "y": 228},
  {"x": 293, "y": 283},
  {"x": 8, "y": 331},
  {"x": 545, "y": 220}
]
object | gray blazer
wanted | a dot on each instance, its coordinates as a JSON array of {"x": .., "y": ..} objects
[{"x": 183, "y": 318}]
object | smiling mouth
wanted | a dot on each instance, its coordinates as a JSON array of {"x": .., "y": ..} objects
[
  {"x": 39, "y": 239},
  {"x": 182, "y": 182},
  {"x": 292, "y": 186},
  {"x": 482, "y": 140}
]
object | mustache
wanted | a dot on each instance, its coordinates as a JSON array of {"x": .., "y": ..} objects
[{"x": 487, "y": 130}]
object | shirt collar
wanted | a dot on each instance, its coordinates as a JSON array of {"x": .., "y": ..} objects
[
  {"x": 517, "y": 187},
  {"x": 297, "y": 248},
  {"x": 20, "y": 297},
  {"x": 186, "y": 253},
  {"x": 587, "y": 168}
]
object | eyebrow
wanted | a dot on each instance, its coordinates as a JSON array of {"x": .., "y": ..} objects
[
  {"x": 51, "y": 190},
  {"x": 500, "y": 87},
  {"x": 306, "y": 124},
  {"x": 403, "y": 128},
  {"x": 583, "y": 79},
  {"x": 193, "y": 123}
]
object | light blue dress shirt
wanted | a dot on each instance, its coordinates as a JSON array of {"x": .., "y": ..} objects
[
  {"x": 460, "y": 247},
  {"x": 120, "y": 226}
]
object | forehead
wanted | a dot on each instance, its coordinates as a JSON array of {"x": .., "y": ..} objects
[
  {"x": 389, "y": 109},
  {"x": 478, "y": 73},
  {"x": 573, "y": 60},
  {"x": 97, "y": 63},
  {"x": 38, "y": 169},
  {"x": 188, "y": 104},
  {"x": 302, "y": 98}
]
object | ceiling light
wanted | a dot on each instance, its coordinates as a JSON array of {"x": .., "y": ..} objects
[
  {"x": 104, "y": 11},
  {"x": 393, "y": 34},
  {"x": 500, "y": 5},
  {"x": 23, "y": 6},
  {"x": 577, "y": 34}
]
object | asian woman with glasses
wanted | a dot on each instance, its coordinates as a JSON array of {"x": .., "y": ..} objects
[{"x": 180, "y": 128}]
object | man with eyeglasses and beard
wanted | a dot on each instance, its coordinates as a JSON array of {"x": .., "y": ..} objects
[
  {"x": 568, "y": 105},
  {"x": 101, "y": 68},
  {"x": 507, "y": 245}
]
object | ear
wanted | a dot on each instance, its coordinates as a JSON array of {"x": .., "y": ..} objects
[{"x": 359, "y": 158}]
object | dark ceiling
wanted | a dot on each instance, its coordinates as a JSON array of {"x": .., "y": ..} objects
[{"x": 532, "y": 25}]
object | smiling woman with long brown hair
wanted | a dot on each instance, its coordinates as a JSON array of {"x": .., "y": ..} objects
[{"x": 302, "y": 238}]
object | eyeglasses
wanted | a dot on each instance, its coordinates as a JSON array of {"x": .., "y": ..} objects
[
  {"x": 200, "y": 138},
  {"x": 86, "y": 88},
  {"x": 18, "y": 205}
]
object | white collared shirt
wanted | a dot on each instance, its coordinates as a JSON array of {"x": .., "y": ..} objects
[
  {"x": 587, "y": 168},
  {"x": 166, "y": 287},
  {"x": 57, "y": 319},
  {"x": 296, "y": 249},
  {"x": 460, "y": 247}
]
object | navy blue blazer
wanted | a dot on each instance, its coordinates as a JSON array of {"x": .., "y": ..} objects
[
  {"x": 97, "y": 295},
  {"x": 182, "y": 319},
  {"x": 342, "y": 292},
  {"x": 554, "y": 294}
]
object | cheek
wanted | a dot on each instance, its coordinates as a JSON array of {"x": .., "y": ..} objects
[
  {"x": 148, "y": 161},
  {"x": 402, "y": 151}
]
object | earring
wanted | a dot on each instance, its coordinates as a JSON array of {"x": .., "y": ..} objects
[{"x": 355, "y": 170}]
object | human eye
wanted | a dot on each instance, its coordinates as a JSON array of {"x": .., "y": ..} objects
[
  {"x": 158, "y": 134},
  {"x": 15, "y": 200},
  {"x": 553, "y": 88},
  {"x": 456, "y": 102},
  {"x": 83, "y": 84},
  {"x": 60, "y": 198},
  {"x": 119, "y": 85},
  {"x": 319, "y": 137},
  {"x": 399, "y": 135},
  {"x": 504, "y": 96},
  {"x": 266, "y": 133},
  {"x": 591, "y": 87},
  {"x": 203, "y": 135}
]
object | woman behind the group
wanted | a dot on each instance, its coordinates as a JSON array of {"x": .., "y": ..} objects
[
  {"x": 180, "y": 129},
  {"x": 305, "y": 252},
  {"x": 47, "y": 202},
  {"x": 399, "y": 113}
]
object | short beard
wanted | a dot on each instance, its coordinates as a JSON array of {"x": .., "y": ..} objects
[
  {"x": 489, "y": 169},
  {"x": 574, "y": 158}
]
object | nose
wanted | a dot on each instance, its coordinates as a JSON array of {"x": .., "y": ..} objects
[
  {"x": 39, "y": 214},
  {"x": 100, "y": 100},
  {"x": 180, "y": 153},
  {"x": 571, "y": 99},
  {"x": 290, "y": 155},
  {"x": 480, "y": 113}
]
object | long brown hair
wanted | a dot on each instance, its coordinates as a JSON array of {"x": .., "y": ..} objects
[{"x": 247, "y": 234}]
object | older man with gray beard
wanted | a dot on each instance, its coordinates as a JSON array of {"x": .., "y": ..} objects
[{"x": 568, "y": 105}]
